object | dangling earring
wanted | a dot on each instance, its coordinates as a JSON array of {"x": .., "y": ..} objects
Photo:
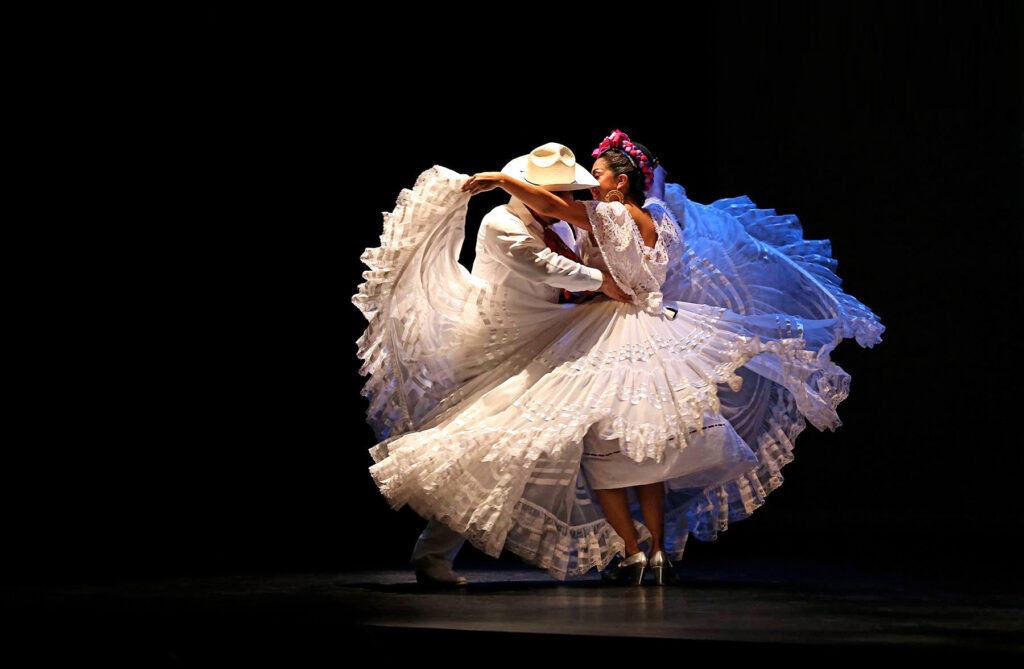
[{"x": 617, "y": 196}]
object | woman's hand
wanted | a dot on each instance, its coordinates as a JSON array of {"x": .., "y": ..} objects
[
  {"x": 483, "y": 181},
  {"x": 537, "y": 198},
  {"x": 612, "y": 289}
]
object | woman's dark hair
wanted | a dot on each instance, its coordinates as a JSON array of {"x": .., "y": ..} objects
[{"x": 620, "y": 163}]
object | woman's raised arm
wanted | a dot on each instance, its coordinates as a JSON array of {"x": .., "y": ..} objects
[{"x": 535, "y": 197}]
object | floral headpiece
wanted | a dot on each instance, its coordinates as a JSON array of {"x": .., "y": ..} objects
[{"x": 619, "y": 141}]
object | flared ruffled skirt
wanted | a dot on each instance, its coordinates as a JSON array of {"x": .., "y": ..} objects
[{"x": 504, "y": 471}]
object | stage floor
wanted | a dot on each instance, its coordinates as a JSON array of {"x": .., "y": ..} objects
[{"x": 740, "y": 609}]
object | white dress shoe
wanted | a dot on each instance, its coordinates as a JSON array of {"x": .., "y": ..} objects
[{"x": 437, "y": 573}]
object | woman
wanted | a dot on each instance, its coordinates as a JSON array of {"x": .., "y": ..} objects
[{"x": 634, "y": 387}]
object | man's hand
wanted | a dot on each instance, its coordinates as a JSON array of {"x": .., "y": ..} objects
[{"x": 612, "y": 290}]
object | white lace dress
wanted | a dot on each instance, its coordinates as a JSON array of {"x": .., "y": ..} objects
[{"x": 484, "y": 411}]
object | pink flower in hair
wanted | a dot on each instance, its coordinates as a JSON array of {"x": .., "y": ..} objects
[
  {"x": 612, "y": 141},
  {"x": 620, "y": 141}
]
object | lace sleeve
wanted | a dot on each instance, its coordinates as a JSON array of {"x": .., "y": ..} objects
[
  {"x": 665, "y": 221},
  {"x": 610, "y": 225},
  {"x": 622, "y": 248},
  {"x": 671, "y": 250}
]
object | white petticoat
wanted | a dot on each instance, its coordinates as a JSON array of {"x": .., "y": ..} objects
[{"x": 716, "y": 456}]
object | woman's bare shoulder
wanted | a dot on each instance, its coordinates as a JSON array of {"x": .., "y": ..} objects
[{"x": 642, "y": 216}]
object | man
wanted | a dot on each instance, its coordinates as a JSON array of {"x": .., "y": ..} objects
[{"x": 516, "y": 249}]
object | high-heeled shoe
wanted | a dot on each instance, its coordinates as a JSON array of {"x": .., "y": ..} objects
[
  {"x": 661, "y": 567},
  {"x": 628, "y": 570}
]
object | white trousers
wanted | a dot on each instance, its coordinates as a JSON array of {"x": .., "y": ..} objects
[{"x": 437, "y": 544}]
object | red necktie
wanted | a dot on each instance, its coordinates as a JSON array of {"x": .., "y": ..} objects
[{"x": 555, "y": 243}]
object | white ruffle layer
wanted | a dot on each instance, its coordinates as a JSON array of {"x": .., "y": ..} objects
[
  {"x": 756, "y": 261},
  {"x": 391, "y": 345},
  {"x": 432, "y": 326}
]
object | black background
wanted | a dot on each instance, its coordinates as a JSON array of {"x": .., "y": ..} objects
[{"x": 229, "y": 433}]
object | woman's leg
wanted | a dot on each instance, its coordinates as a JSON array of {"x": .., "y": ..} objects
[
  {"x": 615, "y": 504},
  {"x": 652, "y": 503}
]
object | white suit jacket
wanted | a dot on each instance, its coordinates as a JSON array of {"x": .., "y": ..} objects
[{"x": 510, "y": 251}]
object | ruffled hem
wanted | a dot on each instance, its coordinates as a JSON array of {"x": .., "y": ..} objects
[
  {"x": 712, "y": 509},
  {"x": 766, "y": 234},
  {"x": 538, "y": 537},
  {"x": 400, "y": 392},
  {"x": 504, "y": 521},
  {"x": 541, "y": 539},
  {"x": 784, "y": 233}
]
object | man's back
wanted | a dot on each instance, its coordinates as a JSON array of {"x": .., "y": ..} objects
[{"x": 511, "y": 252}]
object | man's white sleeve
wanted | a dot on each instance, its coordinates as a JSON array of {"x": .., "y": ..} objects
[{"x": 525, "y": 255}]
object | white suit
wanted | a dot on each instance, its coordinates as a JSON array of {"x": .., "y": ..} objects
[{"x": 510, "y": 251}]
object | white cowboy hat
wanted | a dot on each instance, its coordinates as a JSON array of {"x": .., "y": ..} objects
[{"x": 553, "y": 166}]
